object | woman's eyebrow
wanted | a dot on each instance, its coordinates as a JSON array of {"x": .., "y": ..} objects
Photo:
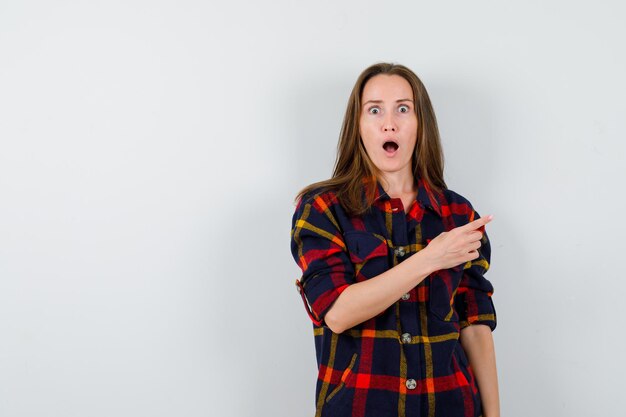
[{"x": 380, "y": 101}]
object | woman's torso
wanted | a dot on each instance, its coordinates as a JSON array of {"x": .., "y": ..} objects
[{"x": 407, "y": 360}]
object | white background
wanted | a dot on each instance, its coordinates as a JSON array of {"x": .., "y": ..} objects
[{"x": 149, "y": 157}]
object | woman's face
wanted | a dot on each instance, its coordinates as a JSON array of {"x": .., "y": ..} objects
[{"x": 388, "y": 123}]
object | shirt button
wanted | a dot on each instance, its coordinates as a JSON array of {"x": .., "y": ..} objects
[
  {"x": 406, "y": 338},
  {"x": 411, "y": 384},
  {"x": 404, "y": 296}
]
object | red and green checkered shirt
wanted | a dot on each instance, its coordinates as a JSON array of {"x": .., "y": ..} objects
[{"x": 407, "y": 360}]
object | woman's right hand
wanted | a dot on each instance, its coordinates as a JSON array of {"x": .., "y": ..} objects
[{"x": 457, "y": 246}]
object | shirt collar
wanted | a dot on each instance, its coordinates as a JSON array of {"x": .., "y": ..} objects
[{"x": 425, "y": 196}]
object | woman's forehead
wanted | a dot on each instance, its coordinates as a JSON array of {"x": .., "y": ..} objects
[{"x": 384, "y": 87}]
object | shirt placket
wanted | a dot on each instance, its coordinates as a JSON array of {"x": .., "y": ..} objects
[{"x": 396, "y": 226}]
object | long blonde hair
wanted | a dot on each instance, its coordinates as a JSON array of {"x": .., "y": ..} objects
[{"x": 352, "y": 163}]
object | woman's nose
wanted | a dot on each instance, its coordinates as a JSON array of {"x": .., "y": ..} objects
[
  {"x": 389, "y": 123},
  {"x": 389, "y": 126}
]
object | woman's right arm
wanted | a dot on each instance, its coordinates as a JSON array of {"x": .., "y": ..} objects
[{"x": 363, "y": 300}]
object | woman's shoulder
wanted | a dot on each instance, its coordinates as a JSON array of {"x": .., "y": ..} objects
[
  {"x": 454, "y": 197},
  {"x": 321, "y": 195},
  {"x": 319, "y": 208},
  {"x": 457, "y": 203}
]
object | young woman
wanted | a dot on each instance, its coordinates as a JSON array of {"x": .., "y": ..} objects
[{"x": 393, "y": 266}]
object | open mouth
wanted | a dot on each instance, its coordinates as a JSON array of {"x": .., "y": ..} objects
[{"x": 390, "y": 146}]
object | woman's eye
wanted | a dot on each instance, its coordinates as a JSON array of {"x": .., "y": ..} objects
[
  {"x": 374, "y": 110},
  {"x": 404, "y": 109}
]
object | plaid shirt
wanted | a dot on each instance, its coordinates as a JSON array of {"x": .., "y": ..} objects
[{"x": 407, "y": 360}]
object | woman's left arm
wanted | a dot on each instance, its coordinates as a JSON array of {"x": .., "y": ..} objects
[{"x": 477, "y": 341}]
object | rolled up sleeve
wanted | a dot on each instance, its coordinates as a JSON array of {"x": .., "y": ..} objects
[
  {"x": 318, "y": 248},
  {"x": 473, "y": 298}
]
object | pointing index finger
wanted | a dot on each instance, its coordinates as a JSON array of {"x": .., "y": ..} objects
[{"x": 478, "y": 224}]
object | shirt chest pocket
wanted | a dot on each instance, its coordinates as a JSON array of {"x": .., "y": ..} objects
[
  {"x": 369, "y": 253},
  {"x": 443, "y": 288}
]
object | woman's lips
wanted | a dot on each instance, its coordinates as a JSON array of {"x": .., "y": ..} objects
[{"x": 391, "y": 148}]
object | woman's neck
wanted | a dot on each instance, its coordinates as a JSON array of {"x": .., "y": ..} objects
[{"x": 398, "y": 184}]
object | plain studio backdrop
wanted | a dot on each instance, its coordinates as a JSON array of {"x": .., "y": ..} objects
[{"x": 151, "y": 151}]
